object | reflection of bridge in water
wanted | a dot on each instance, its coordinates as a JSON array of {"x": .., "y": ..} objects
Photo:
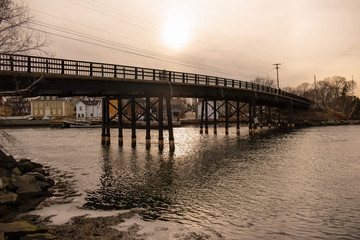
[{"x": 257, "y": 104}]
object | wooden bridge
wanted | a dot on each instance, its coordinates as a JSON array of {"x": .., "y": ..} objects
[{"x": 30, "y": 76}]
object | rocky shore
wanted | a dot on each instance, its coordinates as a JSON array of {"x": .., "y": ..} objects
[{"x": 23, "y": 186}]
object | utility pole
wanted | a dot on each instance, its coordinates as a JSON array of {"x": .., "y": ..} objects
[
  {"x": 315, "y": 90},
  {"x": 277, "y": 74},
  {"x": 352, "y": 87}
]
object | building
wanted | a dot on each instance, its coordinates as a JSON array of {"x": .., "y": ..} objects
[
  {"x": 5, "y": 109},
  {"x": 89, "y": 109},
  {"x": 19, "y": 106},
  {"x": 52, "y": 106}
]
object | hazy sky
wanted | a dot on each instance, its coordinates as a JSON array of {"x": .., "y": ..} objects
[{"x": 229, "y": 38}]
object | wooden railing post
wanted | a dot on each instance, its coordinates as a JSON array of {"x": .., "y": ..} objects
[
  {"x": 62, "y": 67},
  {"x": 11, "y": 63},
  {"x": 29, "y": 64},
  {"x": 91, "y": 69}
]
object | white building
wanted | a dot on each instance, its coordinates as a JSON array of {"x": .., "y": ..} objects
[{"x": 89, "y": 109}]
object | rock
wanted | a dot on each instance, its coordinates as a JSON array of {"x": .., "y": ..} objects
[
  {"x": 43, "y": 185},
  {"x": 30, "y": 190},
  {"x": 2, "y": 154},
  {"x": 16, "y": 171},
  {"x": 38, "y": 236},
  {"x": 7, "y": 197},
  {"x": 26, "y": 184},
  {"x": 8, "y": 162},
  {"x": 37, "y": 175},
  {"x": 19, "y": 181},
  {"x": 25, "y": 165},
  {"x": 50, "y": 181},
  {"x": 40, "y": 170},
  {"x": 4, "y": 172},
  {"x": 18, "y": 229}
]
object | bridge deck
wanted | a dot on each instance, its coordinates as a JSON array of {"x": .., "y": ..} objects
[{"x": 48, "y": 76}]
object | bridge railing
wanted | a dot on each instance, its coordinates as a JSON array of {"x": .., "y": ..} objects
[{"x": 33, "y": 64}]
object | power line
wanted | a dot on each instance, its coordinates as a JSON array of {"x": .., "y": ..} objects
[
  {"x": 142, "y": 23},
  {"x": 122, "y": 50},
  {"x": 104, "y": 41}
]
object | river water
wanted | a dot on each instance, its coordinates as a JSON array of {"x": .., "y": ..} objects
[{"x": 303, "y": 184}]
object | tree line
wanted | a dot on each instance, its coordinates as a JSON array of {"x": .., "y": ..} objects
[{"x": 332, "y": 92}]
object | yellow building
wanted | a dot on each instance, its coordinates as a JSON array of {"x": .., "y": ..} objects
[
  {"x": 5, "y": 109},
  {"x": 52, "y": 106}
]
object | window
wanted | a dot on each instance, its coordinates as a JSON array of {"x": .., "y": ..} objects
[
  {"x": 47, "y": 98},
  {"x": 35, "y": 112},
  {"x": 80, "y": 108},
  {"x": 53, "y": 98},
  {"x": 42, "y": 98},
  {"x": 41, "y": 104},
  {"x": 79, "y": 115},
  {"x": 54, "y": 104},
  {"x": 59, "y": 104},
  {"x": 35, "y": 104},
  {"x": 41, "y": 112},
  {"x": 47, "y": 104},
  {"x": 59, "y": 111},
  {"x": 82, "y": 115}
]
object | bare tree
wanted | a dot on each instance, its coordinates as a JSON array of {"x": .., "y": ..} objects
[
  {"x": 265, "y": 81},
  {"x": 16, "y": 33},
  {"x": 17, "y": 36}
]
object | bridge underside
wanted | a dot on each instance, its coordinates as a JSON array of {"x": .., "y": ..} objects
[{"x": 41, "y": 84}]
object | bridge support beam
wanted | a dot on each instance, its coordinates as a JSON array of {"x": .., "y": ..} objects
[
  {"x": 261, "y": 116},
  {"x": 226, "y": 117},
  {"x": 147, "y": 118},
  {"x": 250, "y": 118},
  {"x": 161, "y": 123},
  {"x": 103, "y": 121},
  {"x": 237, "y": 118},
  {"x": 269, "y": 116},
  {"x": 279, "y": 118},
  {"x": 254, "y": 130},
  {"x": 120, "y": 123},
  {"x": 133, "y": 123},
  {"x": 202, "y": 116},
  {"x": 215, "y": 111},
  {"x": 290, "y": 116},
  {"x": 206, "y": 117},
  {"x": 105, "y": 132},
  {"x": 170, "y": 124}
]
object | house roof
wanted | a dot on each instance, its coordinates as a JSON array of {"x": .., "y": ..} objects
[{"x": 90, "y": 102}]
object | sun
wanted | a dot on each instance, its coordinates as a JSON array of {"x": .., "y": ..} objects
[{"x": 177, "y": 31}]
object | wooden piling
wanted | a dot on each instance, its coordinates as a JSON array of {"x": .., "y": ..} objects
[
  {"x": 237, "y": 118},
  {"x": 120, "y": 123},
  {"x": 103, "y": 124},
  {"x": 226, "y": 117},
  {"x": 133, "y": 123},
  {"x": 206, "y": 117},
  {"x": 161, "y": 123},
  {"x": 215, "y": 111},
  {"x": 250, "y": 118},
  {"x": 202, "y": 116},
  {"x": 170, "y": 124},
  {"x": 147, "y": 118},
  {"x": 107, "y": 122},
  {"x": 254, "y": 129}
]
